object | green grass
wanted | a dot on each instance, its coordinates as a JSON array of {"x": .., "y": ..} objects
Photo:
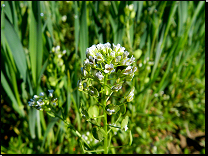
[{"x": 170, "y": 34}]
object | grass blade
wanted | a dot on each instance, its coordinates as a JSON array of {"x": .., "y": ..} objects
[
  {"x": 83, "y": 44},
  {"x": 9, "y": 92},
  {"x": 16, "y": 48}
]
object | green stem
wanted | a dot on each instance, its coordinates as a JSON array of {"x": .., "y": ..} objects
[
  {"x": 105, "y": 118},
  {"x": 106, "y": 132}
]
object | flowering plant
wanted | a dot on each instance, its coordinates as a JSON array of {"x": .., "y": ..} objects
[
  {"x": 106, "y": 68},
  {"x": 105, "y": 71}
]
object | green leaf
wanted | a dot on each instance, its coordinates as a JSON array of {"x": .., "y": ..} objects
[
  {"x": 83, "y": 31},
  {"x": 93, "y": 111},
  {"x": 137, "y": 53},
  {"x": 16, "y": 48},
  {"x": 8, "y": 11},
  {"x": 32, "y": 120},
  {"x": 124, "y": 122},
  {"x": 131, "y": 138},
  {"x": 9, "y": 92},
  {"x": 35, "y": 41},
  {"x": 98, "y": 133},
  {"x": 51, "y": 114},
  {"x": 76, "y": 25}
]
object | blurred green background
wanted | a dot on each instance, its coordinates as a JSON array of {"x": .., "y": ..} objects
[{"x": 167, "y": 39}]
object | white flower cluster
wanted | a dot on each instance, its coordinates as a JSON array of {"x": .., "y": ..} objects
[
  {"x": 40, "y": 102},
  {"x": 103, "y": 60}
]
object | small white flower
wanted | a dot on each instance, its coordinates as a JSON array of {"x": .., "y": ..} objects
[
  {"x": 140, "y": 64},
  {"x": 41, "y": 94},
  {"x": 100, "y": 46},
  {"x": 128, "y": 70},
  {"x": 86, "y": 62},
  {"x": 85, "y": 137},
  {"x": 96, "y": 141},
  {"x": 91, "y": 51},
  {"x": 118, "y": 48},
  {"x": 64, "y": 52},
  {"x": 64, "y": 18},
  {"x": 110, "y": 111},
  {"x": 156, "y": 94},
  {"x": 118, "y": 58},
  {"x": 107, "y": 45},
  {"x": 109, "y": 68},
  {"x": 132, "y": 60},
  {"x": 113, "y": 54},
  {"x": 91, "y": 60},
  {"x": 99, "y": 75},
  {"x": 40, "y": 102},
  {"x": 117, "y": 87},
  {"x": 131, "y": 6},
  {"x": 35, "y": 97},
  {"x": 99, "y": 57},
  {"x": 31, "y": 103},
  {"x": 126, "y": 128},
  {"x": 88, "y": 133},
  {"x": 84, "y": 72},
  {"x": 41, "y": 14},
  {"x": 57, "y": 48},
  {"x": 130, "y": 96},
  {"x": 51, "y": 92},
  {"x": 134, "y": 68},
  {"x": 59, "y": 56},
  {"x": 126, "y": 62},
  {"x": 80, "y": 86},
  {"x": 125, "y": 54}
]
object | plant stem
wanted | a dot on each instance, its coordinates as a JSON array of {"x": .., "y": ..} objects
[
  {"x": 106, "y": 131},
  {"x": 105, "y": 118}
]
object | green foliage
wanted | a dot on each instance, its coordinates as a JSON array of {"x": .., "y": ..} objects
[{"x": 167, "y": 40}]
